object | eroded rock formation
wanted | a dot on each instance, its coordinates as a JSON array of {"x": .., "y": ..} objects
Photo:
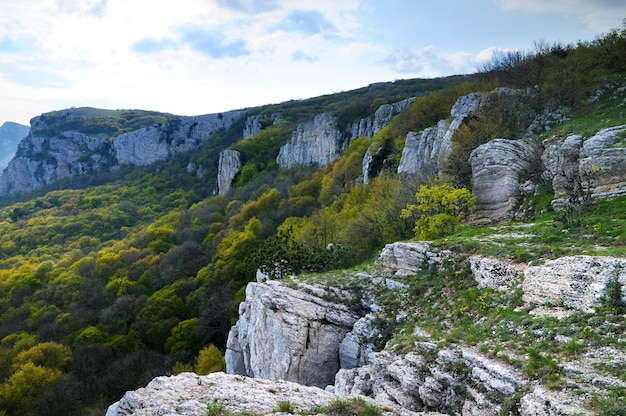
[
  {"x": 498, "y": 170},
  {"x": 312, "y": 144},
  {"x": 424, "y": 153},
  {"x": 284, "y": 333},
  {"x": 228, "y": 168},
  {"x": 46, "y": 155},
  {"x": 577, "y": 282}
]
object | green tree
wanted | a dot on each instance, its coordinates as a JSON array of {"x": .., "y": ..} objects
[
  {"x": 439, "y": 209},
  {"x": 19, "y": 393},
  {"x": 210, "y": 360}
]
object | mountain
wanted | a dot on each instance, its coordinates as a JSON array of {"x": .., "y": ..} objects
[
  {"x": 130, "y": 242},
  {"x": 10, "y": 136}
]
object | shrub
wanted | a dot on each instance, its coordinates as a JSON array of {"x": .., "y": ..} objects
[
  {"x": 210, "y": 360},
  {"x": 439, "y": 209}
]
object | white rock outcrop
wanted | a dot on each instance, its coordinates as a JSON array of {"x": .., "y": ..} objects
[
  {"x": 188, "y": 394},
  {"x": 371, "y": 126},
  {"x": 577, "y": 282},
  {"x": 43, "y": 157},
  {"x": 254, "y": 124},
  {"x": 404, "y": 259},
  {"x": 284, "y": 333},
  {"x": 498, "y": 168},
  {"x": 151, "y": 144},
  {"x": 312, "y": 144},
  {"x": 228, "y": 168},
  {"x": 425, "y": 152},
  {"x": 597, "y": 163},
  {"x": 494, "y": 273}
]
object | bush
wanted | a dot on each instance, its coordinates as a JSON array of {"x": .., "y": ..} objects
[
  {"x": 210, "y": 360},
  {"x": 439, "y": 209}
]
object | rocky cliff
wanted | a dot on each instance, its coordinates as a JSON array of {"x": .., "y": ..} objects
[
  {"x": 296, "y": 331},
  {"x": 48, "y": 154},
  {"x": 319, "y": 141},
  {"x": 424, "y": 153},
  {"x": 312, "y": 144}
]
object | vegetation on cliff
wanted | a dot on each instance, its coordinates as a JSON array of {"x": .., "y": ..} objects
[{"x": 110, "y": 281}]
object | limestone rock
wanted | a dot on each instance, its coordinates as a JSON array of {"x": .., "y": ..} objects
[
  {"x": 188, "y": 394},
  {"x": 543, "y": 402},
  {"x": 577, "y": 282},
  {"x": 254, "y": 124},
  {"x": 403, "y": 259},
  {"x": 40, "y": 160},
  {"x": 44, "y": 157},
  {"x": 283, "y": 333},
  {"x": 498, "y": 168},
  {"x": 357, "y": 344},
  {"x": 371, "y": 126},
  {"x": 603, "y": 165},
  {"x": 597, "y": 163},
  {"x": 418, "y": 382},
  {"x": 151, "y": 144},
  {"x": 494, "y": 273},
  {"x": 312, "y": 144},
  {"x": 560, "y": 163},
  {"x": 228, "y": 168},
  {"x": 425, "y": 152}
]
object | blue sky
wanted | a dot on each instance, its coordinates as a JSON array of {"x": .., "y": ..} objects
[{"x": 193, "y": 57}]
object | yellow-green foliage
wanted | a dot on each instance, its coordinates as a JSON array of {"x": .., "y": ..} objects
[
  {"x": 210, "y": 360},
  {"x": 439, "y": 209}
]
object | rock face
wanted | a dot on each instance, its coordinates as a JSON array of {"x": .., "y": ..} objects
[
  {"x": 228, "y": 168},
  {"x": 254, "y": 124},
  {"x": 148, "y": 145},
  {"x": 320, "y": 141},
  {"x": 312, "y": 144},
  {"x": 40, "y": 161},
  {"x": 577, "y": 282},
  {"x": 498, "y": 169},
  {"x": 43, "y": 158},
  {"x": 371, "y": 126},
  {"x": 288, "y": 334},
  {"x": 598, "y": 164},
  {"x": 425, "y": 152}
]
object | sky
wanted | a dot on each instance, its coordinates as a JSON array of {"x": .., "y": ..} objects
[{"x": 192, "y": 57}]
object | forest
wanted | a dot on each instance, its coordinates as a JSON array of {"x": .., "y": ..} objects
[{"x": 111, "y": 280}]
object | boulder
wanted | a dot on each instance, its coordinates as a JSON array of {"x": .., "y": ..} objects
[
  {"x": 602, "y": 165},
  {"x": 577, "y": 282},
  {"x": 498, "y": 169},
  {"x": 403, "y": 259},
  {"x": 493, "y": 273}
]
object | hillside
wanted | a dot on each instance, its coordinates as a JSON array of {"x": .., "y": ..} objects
[{"x": 123, "y": 258}]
